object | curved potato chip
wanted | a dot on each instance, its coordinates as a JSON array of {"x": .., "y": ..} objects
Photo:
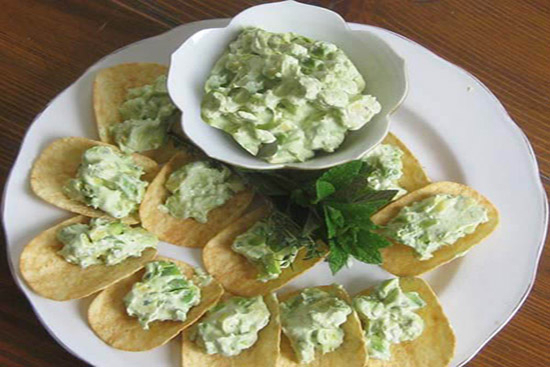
[
  {"x": 186, "y": 232},
  {"x": 414, "y": 177},
  {"x": 263, "y": 353},
  {"x": 401, "y": 260},
  {"x": 108, "y": 318},
  {"x": 110, "y": 88},
  {"x": 235, "y": 272},
  {"x": 351, "y": 353},
  {"x": 435, "y": 346},
  {"x": 51, "y": 276},
  {"x": 59, "y": 162}
]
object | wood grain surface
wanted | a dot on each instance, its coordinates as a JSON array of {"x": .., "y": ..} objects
[{"x": 46, "y": 45}]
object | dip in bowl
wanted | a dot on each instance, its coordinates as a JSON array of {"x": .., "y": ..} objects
[{"x": 328, "y": 130}]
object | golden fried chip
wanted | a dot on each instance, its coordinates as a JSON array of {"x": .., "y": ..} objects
[
  {"x": 59, "y": 162},
  {"x": 414, "y": 177},
  {"x": 235, "y": 272},
  {"x": 108, "y": 318},
  {"x": 351, "y": 353},
  {"x": 263, "y": 353},
  {"x": 51, "y": 276},
  {"x": 435, "y": 346},
  {"x": 110, "y": 88},
  {"x": 186, "y": 232},
  {"x": 401, "y": 260}
]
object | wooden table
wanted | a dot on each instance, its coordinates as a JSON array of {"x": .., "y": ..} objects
[{"x": 46, "y": 45}]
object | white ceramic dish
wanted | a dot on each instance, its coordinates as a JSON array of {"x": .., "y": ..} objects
[
  {"x": 455, "y": 126},
  {"x": 383, "y": 70}
]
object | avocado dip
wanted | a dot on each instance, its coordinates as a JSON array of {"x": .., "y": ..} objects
[
  {"x": 271, "y": 245},
  {"x": 386, "y": 168},
  {"x": 108, "y": 180},
  {"x": 147, "y": 114},
  {"x": 164, "y": 293},
  {"x": 232, "y": 326},
  {"x": 439, "y": 220},
  {"x": 286, "y": 93},
  {"x": 197, "y": 188},
  {"x": 103, "y": 241},
  {"x": 388, "y": 317},
  {"x": 311, "y": 320}
]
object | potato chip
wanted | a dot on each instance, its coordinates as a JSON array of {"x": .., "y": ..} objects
[
  {"x": 263, "y": 353},
  {"x": 402, "y": 260},
  {"x": 435, "y": 346},
  {"x": 186, "y": 232},
  {"x": 59, "y": 162},
  {"x": 108, "y": 318},
  {"x": 351, "y": 353},
  {"x": 51, "y": 276},
  {"x": 414, "y": 177},
  {"x": 235, "y": 272},
  {"x": 110, "y": 88}
]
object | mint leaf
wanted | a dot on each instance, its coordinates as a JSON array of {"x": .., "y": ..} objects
[
  {"x": 367, "y": 247},
  {"x": 343, "y": 175},
  {"x": 323, "y": 190},
  {"x": 333, "y": 220},
  {"x": 312, "y": 223},
  {"x": 337, "y": 257},
  {"x": 357, "y": 215},
  {"x": 371, "y": 195}
]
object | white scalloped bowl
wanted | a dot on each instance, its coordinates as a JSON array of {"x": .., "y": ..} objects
[{"x": 383, "y": 70}]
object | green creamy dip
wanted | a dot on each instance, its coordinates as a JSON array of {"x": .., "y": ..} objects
[
  {"x": 103, "y": 241},
  {"x": 311, "y": 321},
  {"x": 388, "y": 317},
  {"x": 163, "y": 294},
  {"x": 201, "y": 278},
  {"x": 199, "y": 187},
  {"x": 439, "y": 220},
  {"x": 386, "y": 168},
  {"x": 296, "y": 94},
  {"x": 271, "y": 244},
  {"x": 147, "y": 114},
  {"x": 232, "y": 326},
  {"x": 109, "y": 181}
]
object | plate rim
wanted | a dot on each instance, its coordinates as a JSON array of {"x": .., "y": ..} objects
[{"x": 217, "y": 21}]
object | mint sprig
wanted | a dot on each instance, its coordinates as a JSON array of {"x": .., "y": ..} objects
[{"x": 333, "y": 205}]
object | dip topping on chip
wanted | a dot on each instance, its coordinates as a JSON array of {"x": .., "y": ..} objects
[
  {"x": 388, "y": 317},
  {"x": 163, "y": 294},
  {"x": 201, "y": 277},
  {"x": 386, "y": 168},
  {"x": 103, "y": 241},
  {"x": 311, "y": 321},
  {"x": 436, "y": 221},
  {"x": 271, "y": 244},
  {"x": 109, "y": 181},
  {"x": 198, "y": 187},
  {"x": 146, "y": 114},
  {"x": 232, "y": 326},
  {"x": 294, "y": 93}
]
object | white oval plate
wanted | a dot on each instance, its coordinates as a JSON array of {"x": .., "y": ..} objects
[{"x": 454, "y": 124}]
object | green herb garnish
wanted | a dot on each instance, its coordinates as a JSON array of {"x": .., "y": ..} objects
[
  {"x": 286, "y": 233},
  {"x": 333, "y": 205}
]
